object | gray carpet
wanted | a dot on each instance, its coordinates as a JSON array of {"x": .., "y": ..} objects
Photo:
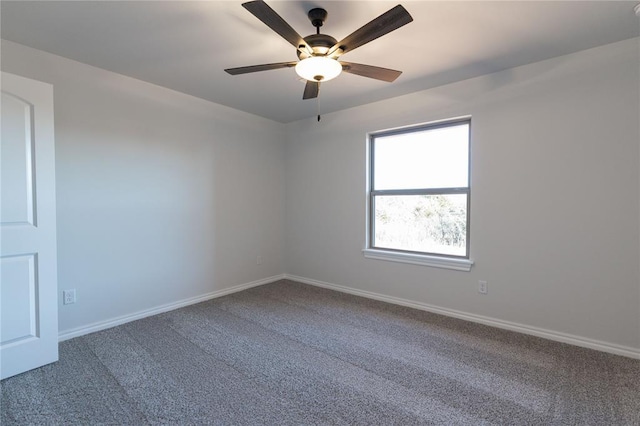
[{"x": 288, "y": 353}]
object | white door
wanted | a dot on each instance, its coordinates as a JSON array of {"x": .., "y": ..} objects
[{"x": 28, "y": 270}]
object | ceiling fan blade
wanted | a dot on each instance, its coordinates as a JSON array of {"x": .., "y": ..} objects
[
  {"x": 263, "y": 67},
  {"x": 383, "y": 24},
  {"x": 311, "y": 90},
  {"x": 271, "y": 19},
  {"x": 379, "y": 73}
]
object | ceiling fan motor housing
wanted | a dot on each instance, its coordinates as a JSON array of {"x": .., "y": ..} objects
[{"x": 319, "y": 43}]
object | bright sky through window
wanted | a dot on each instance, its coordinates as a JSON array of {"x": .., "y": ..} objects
[{"x": 407, "y": 160}]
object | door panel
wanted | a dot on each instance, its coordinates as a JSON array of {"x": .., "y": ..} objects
[
  {"x": 19, "y": 298},
  {"x": 28, "y": 269},
  {"x": 16, "y": 162}
]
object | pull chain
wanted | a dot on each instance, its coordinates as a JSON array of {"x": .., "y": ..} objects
[{"x": 318, "y": 32}]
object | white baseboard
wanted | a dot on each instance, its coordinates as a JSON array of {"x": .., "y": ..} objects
[
  {"x": 102, "y": 325},
  {"x": 494, "y": 322}
]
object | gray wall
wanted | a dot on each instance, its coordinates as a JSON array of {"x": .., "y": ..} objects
[
  {"x": 554, "y": 201},
  {"x": 160, "y": 196}
]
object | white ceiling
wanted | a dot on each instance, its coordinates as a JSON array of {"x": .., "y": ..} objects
[{"x": 185, "y": 45}]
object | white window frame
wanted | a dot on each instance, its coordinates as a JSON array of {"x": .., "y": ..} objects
[{"x": 460, "y": 263}]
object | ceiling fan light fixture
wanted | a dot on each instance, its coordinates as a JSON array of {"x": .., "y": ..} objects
[{"x": 318, "y": 68}]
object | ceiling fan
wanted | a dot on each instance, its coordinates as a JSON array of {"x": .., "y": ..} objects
[{"x": 319, "y": 53}]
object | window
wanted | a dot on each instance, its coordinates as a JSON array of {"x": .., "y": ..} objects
[{"x": 419, "y": 195}]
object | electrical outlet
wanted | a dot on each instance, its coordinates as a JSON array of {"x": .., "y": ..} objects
[
  {"x": 69, "y": 296},
  {"x": 482, "y": 287},
  {"x": 259, "y": 260}
]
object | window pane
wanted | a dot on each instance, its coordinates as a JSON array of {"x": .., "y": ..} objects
[
  {"x": 432, "y": 158},
  {"x": 426, "y": 223}
]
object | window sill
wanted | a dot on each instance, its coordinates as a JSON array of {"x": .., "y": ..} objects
[{"x": 420, "y": 259}]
